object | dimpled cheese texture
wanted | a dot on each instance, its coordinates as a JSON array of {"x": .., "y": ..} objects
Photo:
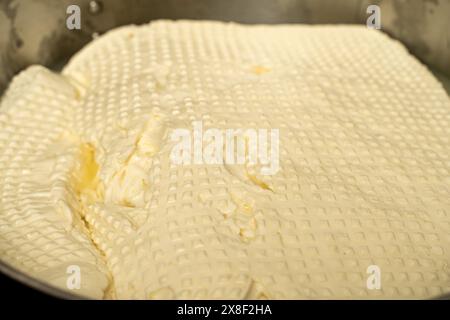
[{"x": 86, "y": 177}]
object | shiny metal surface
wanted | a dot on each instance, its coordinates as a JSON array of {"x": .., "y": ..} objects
[
  {"x": 35, "y": 32},
  {"x": 36, "y": 284}
]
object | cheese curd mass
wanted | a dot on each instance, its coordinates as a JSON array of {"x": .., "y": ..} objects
[{"x": 364, "y": 180}]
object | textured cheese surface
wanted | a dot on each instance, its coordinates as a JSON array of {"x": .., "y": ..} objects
[{"x": 86, "y": 177}]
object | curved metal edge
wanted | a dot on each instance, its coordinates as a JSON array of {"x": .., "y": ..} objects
[
  {"x": 62, "y": 294},
  {"x": 37, "y": 284},
  {"x": 421, "y": 25}
]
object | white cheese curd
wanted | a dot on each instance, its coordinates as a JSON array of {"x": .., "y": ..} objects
[{"x": 86, "y": 177}]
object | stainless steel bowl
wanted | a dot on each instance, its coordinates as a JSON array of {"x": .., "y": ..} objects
[{"x": 35, "y": 32}]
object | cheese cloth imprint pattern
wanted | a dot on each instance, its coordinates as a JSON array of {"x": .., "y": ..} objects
[{"x": 86, "y": 178}]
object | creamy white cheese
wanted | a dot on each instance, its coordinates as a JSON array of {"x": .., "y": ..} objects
[{"x": 86, "y": 177}]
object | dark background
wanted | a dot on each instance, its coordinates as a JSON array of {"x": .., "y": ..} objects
[{"x": 13, "y": 290}]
